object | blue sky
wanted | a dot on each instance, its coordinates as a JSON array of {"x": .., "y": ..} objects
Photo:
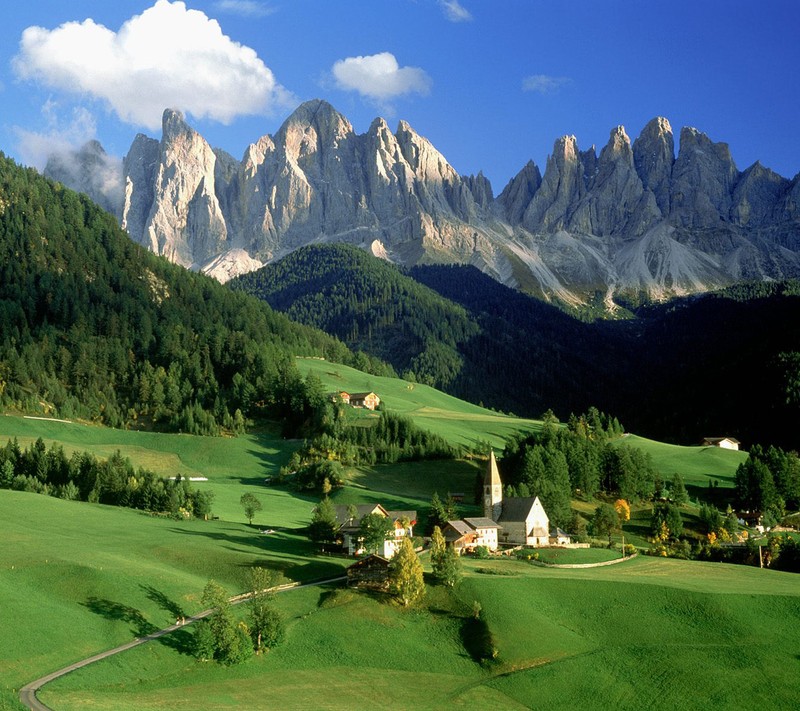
[{"x": 491, "y": 83}]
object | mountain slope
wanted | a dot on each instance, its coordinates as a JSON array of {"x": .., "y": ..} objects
[
  {"x": 94, "y": 326},
  {"x": 703, "y": 365},
  {"x": 370, "y": 305},
  {"x": 634, "y": 222}
]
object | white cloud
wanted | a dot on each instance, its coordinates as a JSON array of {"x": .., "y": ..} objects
[
  {"x": 544, "y": 84},
  {"x": 167, "y": 56},
  {"x": 245, "y": 8},
  {"x": 455, "y": 11},
  {"x": 379, "y": 77},
  {"x": 35, "y": 147}
]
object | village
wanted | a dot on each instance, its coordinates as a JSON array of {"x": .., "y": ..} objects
[{"x": 506, "y": 525}]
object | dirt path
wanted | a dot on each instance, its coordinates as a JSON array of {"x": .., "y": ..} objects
[{"x": 27, "y": 694}]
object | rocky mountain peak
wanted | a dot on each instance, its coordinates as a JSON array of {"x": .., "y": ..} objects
[
  {"x": 703, "y": 177},
  {"x": 633, "y": 218},
  {"x": 519, "y": 192},
  {"x": 92, "y": 171},
  {"x": 618, "y": 143},
  {"x": 653, "y": 156},
  {"x": 173, "y": 124}
]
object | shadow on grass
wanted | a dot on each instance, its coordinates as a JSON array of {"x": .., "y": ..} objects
[
  {"x": 300, "y": 572},
  {"x": 118, "y": 612},
  {"x": 478, "y": 640},
  {"x": 158, "y": 597},
  {"x": 181, "y": 641}
]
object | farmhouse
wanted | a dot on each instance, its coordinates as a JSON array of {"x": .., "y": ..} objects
[
  {"x": 723, "y": 442},
  {"x": 466, "y": 534},
  {"x": 371, "y": 572},
  {"x": 350, "y": 517},
  {"x": 523, "y": 520},
  {"x": 369, "y": 400}
]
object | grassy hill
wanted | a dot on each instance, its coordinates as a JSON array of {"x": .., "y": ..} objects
[
  {"x": 656, "y": 633},
  {"x": 457, "y": 421},
  {"x": 78, "y": 578}
]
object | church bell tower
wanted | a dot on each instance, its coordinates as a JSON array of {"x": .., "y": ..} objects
[{"x": 492, "y": 490}]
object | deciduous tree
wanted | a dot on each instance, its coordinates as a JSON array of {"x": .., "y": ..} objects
[
  {"x": 251, "y": 505},
  {"x": 374, "y": 530},
  {"x": 405, "y": 574}
]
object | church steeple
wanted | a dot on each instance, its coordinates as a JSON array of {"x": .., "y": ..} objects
[{"x": 492, "y": 490}]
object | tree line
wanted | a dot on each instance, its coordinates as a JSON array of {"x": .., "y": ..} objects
[
  {"x": 84, "y": 477},
  {"x": 581, "y": 460}
]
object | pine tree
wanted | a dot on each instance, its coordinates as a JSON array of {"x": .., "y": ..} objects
[
  {"x": 678, "y": 492},
  {"x": 405, "y": 574},
  {"x": 449, "y": 569}
]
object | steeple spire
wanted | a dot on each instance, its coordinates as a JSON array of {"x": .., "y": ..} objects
[{"x": 492, "y": 490}]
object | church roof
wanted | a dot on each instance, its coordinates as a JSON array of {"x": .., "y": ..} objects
[
  {"x": 492, "y": 477},
  {"x": 518, "y": 509}
]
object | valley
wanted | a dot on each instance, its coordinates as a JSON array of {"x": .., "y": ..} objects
[{"x": 339, "y": 359}]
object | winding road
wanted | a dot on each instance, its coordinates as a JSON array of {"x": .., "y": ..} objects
[{"x": 27, "y": 694}]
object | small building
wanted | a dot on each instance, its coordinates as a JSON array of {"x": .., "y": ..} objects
[
  {"x": 342, "y": 395},
  {"x": 349, "y": 519},
  {"x": 722, "y": 442},
  {"x": 559, "y": 537},
  {"x": 368, "y": 400},
  {"x": 465, "y": 535},
  {"x": 460, "y": 535},
  {"x": 371, "y": 572},
  {"x": 485, "y": 532}
]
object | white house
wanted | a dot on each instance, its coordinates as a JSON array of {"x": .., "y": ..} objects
[
  {"x": 349, "y": 518},
  {"x": 722, "y": 442},
  {"x": 469, "y": 533}
]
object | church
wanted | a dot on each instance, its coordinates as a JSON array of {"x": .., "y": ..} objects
[{"x": 522, "y": 521}]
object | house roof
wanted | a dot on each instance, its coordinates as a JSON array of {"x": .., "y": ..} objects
[
  {"x": 372, "y": 558},
  {"x": 361, "y": 510},
  {"x": 361, "y": 396},
  {"x": 715, "y": 440},
  {"x": 492, "y": 477},
  {"x": 558, "y": 533},
  {"x": 397, "y": 515},
  {"x": 516, "y": 509},
  {"x": 481, "y": 522},
  {"x": 462, "y": 527}
]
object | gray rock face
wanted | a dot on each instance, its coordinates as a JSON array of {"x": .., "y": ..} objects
[
  {"x": 653, "y": 156},
  {"x": 633, "y": 219},
  {"x": 703, "y": 178}
]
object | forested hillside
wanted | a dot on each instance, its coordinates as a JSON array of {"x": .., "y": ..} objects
[
  {"x": 371, "y": 305},
  {"x": 94, "y": 326},
  {"x": 725, "y": 363}
]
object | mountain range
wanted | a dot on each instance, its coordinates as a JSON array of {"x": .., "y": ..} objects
[{"x": 634, "y": 223}]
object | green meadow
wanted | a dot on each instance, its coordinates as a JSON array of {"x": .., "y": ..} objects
[
  {"x": 459, "y": 422},
  {"x": 643, "y": 634},
  {"x": 78, "y": 578},
  {"x": 697, "y": 465}
]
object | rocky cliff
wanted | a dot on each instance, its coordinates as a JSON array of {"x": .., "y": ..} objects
[{"x": 635, "y": 219}]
